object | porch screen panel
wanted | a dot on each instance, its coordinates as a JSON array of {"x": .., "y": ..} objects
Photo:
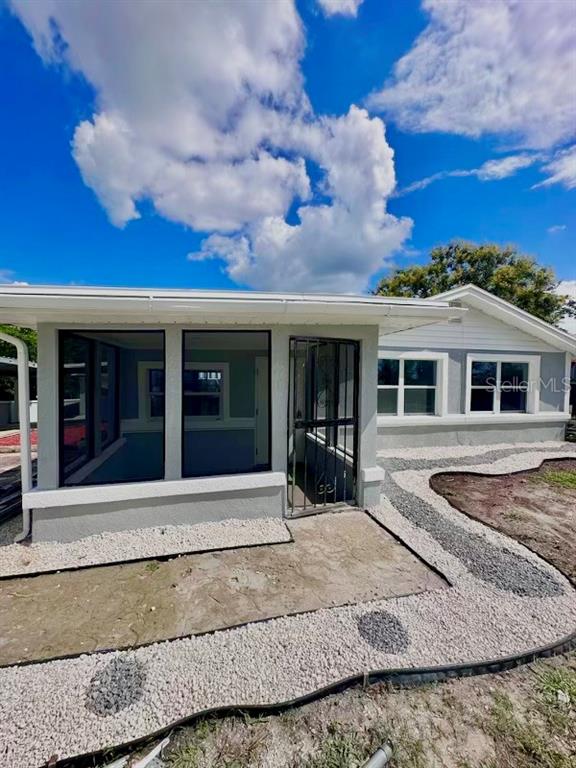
[
  {"x": 112, "y": 407},
  {"x": 75, "y": 402},
  {"x": 225, "y": 402}
]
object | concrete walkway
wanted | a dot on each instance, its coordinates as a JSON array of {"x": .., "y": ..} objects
[{"x": 88, "y": 703}]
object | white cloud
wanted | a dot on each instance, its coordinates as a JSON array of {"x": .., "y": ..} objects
[
  {"x": 7, "y": 278},
  {"x": 341, "y": 7},
  {"x": 201, "y": 109},
  {"x": 491, "y": 170},
  {"x": 494, "y": 170},
  {"x": 333, "y": 247},
  {"x": 554, "y": 230},
  {"x": 568, "y": 288},
  {"x": 489, "y": 67},
  {"x": 562, "y": 170}
]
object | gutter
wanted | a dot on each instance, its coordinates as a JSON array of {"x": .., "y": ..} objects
[{"x": 24, "y": 426}]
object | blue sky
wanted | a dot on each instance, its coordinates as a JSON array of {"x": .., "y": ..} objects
[{"x": 70, "y": 196}]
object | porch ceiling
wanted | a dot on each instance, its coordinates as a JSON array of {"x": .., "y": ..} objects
[{"x": 31, "y": 305}]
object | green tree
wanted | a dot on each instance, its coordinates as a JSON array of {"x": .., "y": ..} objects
[
  {"x": 503, "y": 271},
  {"x": 26, "y": 334}
]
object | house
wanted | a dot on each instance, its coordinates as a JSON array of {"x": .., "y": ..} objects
[
  {"x": 495, "y": 374},
  {"x": 168, "y": 407},
  {"x": 9, "y": 393}
]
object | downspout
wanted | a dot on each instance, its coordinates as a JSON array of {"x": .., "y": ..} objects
[{"x": 24, "y": 424}]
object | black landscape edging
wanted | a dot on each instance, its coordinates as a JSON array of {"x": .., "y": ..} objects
[{"x": 400, "y": 678}]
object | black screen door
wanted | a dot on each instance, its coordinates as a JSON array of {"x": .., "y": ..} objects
[{"x": 322, "y": 423}]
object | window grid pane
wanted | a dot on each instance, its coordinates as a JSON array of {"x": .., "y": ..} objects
[
  {"x": 388, "y": 372},
  {"x": 513, "y": 401},
  {"x": 388, "y": 400},
  {"x": 482, "y": 399},
  {"x": 420, "y": 373},
  {"x": 420, "y": 400},
  {"x": 484, "y": 373}
]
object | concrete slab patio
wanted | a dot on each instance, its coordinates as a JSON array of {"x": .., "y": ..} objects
[{"x": 335, "y": 559}]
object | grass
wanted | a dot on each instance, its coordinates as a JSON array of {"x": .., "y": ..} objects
[
  {"x": 556, "y": 699},
  {"x": 520, "y": 743},
  {"x": 342, "y": 749},
  {"x": 230, "y": 743},
  {"x": 559, "y": 478}
]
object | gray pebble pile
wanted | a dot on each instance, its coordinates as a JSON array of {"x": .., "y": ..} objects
[
  {"x": 43, "y": 706},
  {"x": 383, "y": 631},
  {"x": 117, "y": 686},
  {"x": 141, "y": 543}
]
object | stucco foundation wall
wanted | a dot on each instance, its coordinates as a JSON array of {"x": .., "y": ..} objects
[
  {"x": 74, "y": 522},
  {"x": 476, "y": 434}
]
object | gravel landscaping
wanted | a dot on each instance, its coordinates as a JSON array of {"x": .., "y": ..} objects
[
  {"x": 140, "y": 544},
  {"x": 481, "y": 617}
]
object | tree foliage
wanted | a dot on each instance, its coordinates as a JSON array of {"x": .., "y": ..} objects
[
  {"x": 503, "y": 271},
  {"x": 26, "y": 334}
]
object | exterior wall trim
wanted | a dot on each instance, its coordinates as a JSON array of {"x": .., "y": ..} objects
[
  {"x": 472, "y": 420},
  {"x": 156, "y": 489}
]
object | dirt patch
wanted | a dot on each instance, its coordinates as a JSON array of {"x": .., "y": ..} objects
[{"x": 531, "y": 507}]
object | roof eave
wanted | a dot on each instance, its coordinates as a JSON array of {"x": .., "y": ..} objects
[{"x": 508, "y": 313}]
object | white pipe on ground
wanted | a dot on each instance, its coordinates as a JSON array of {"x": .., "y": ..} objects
[
  {"x": 380, "y": 758},
  {"x": 24, "y": 423}
]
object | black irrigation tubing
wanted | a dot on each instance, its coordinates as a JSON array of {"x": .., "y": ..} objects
[
  {"x": 397, "y": 678},
  {"x": 130, "y": 561}
]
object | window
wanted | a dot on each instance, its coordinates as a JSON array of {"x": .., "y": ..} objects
[
  {"x": 409, "y": 386},
  {"x": 111, "y": 418},
  {"x": 225, "y": 402},
  {"x": 204, "y": 391},
  {"x": 501, "y": 384},
  {"x": 156, "y": 392}
]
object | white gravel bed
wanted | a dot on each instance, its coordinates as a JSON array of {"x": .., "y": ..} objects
[
  {"x": 81, "y": 705},
  {"x": 141, "y": 543}
]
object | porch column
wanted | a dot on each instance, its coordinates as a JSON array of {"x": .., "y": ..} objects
[
  {"x": 173, "y": 404},
  {"x": 369, "y": 473},
  {"x": 48, "y": 442},
  {"x": 279, "y": 392}
]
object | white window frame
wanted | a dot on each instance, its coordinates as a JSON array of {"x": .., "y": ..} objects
[
  {"x": 441, "y": 399},
  {"x": 532, "y": 395},
  {"x": 224, "y": 391},
  {"x": 144, "y": 410}
]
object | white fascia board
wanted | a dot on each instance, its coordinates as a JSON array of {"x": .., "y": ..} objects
[
  {"x": 201, "y": 295},
  {"x": 507, "y": 313},
  {"x": 155, "y": 489},
  {"x": 115, "y": 306}
]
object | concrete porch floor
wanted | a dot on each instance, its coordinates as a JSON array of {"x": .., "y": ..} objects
[{"x": 335, "y": 559}]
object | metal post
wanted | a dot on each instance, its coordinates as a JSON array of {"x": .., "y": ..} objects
[{"x": 24, "y": 421}]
